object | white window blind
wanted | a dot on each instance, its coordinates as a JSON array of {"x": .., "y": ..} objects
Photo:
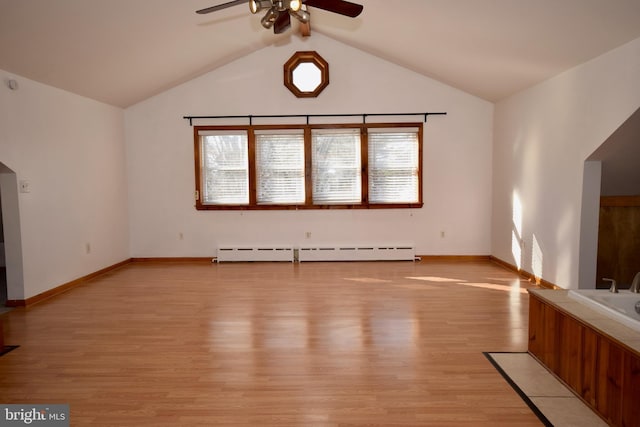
[
  {"x": 225, "y": 167},
  {"x": 393, "y": 166},
  {"x": 336, "y": 166},
  {"x": 280, "y": 167}
]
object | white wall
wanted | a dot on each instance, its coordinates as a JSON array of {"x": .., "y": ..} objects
[
  {"x": 543, "y": 135},
  {"x": 71, "y": 151},
  {"x": 457, "y": 153}
]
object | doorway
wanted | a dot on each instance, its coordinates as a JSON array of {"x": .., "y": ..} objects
[
  {"x": 3, "y": 262},
  {"x": 11, "y": 270},
  {"x": 609, "y": 238}
]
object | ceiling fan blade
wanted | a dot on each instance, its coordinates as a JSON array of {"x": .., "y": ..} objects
[
  {"x": 341, "y": 7},
  {"x": 283, "y": 22},
  {"x": 221, "y": 6}
]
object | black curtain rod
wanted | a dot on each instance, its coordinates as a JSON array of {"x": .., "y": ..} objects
[{"x": 271, "y": 116}]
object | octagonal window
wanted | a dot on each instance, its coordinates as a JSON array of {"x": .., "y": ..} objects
[{"x": 306, "y": 74}]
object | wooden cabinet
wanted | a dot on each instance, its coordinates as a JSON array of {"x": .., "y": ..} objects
[
  {"x": 570, "y": 348},
  {"x": 609, "y": 381},
  {"x": 602, "y": 371},
  {"x": 631, "y": 390},
  {"x": 588, "y": 366},
  {"x": 542, "y": 332}
]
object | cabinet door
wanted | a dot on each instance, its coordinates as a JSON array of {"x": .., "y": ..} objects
[
  {"x": 536, "y": 331},
  {"x": 588, "y": 366},
  {"x": 542, "y": 332},
  {"x": 631, "y": 390},
  {"x": 609, "y": 381},
  {"x": 569, "y": 367}
]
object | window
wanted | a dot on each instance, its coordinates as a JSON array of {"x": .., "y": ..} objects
[
  {"x": 225, "y": 168},
  {"x": 306, "y": 74},
  {"x": 393, "y": 166},
  {"x": 309, "y": 166},
  {"x": 280, "y": 167},
  {"x": 336, "y": 170}
]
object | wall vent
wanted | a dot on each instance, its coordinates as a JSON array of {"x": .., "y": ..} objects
[
  {"x": 357, "y": 253},
  {"x": 316, "y": 253}
]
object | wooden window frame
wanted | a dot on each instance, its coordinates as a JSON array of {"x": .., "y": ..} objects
[
  {"x": 308, "y": 204},
  {"x": 306, "y": 57}
]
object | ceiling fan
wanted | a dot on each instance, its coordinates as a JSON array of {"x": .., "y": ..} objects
[{"x": 278, "y": 12}]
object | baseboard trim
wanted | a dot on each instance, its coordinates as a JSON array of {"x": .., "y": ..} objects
[
  {"x": 454, "y": 258},
  {"x": 530, "y": 276},
  {"x": 64, "y": 287},
  {"x": 436, "y": 258},
  {"x": 173, "y": 259},
  {"x": 423, "y": 258}
]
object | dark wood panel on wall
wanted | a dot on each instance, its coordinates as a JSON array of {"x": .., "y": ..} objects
[{"x": 618, "y": 239}]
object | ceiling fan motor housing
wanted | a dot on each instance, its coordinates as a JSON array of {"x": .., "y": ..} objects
[{"x": 279, "y": 11}]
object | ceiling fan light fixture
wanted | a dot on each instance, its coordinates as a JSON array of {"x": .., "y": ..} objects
[
  {"x": 269, "y": 18},
  {"x": 302, "y": 16},
  {"x": 278, "y": 12},
  {"x": 256, "y": 6},
  {"x": 295, "y": 5}
]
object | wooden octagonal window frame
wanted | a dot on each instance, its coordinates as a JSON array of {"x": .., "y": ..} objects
[{"x": 303, "y": 58}]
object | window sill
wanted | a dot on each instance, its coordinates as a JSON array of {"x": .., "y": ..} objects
[{"x": 206, "y": 207}]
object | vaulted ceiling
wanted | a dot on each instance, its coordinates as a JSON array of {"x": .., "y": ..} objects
[{"x": 124, "y": 51}]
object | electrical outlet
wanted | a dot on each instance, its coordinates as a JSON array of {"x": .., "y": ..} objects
[{"x": 307, "y": 234}]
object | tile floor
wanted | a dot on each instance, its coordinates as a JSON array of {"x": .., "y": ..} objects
[{"x": 554, "y": 403}]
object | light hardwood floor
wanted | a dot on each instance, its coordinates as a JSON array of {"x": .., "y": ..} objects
[{"x": 275, "y": 344}]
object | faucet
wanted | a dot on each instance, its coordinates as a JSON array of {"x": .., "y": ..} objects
[
  {"x": 635, "y": 285},
  {"x": 614, "y": 285}
]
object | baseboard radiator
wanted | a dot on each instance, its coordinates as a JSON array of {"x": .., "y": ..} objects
[
  {"x": 316, "y": 253},
  {"x": 255, "y": 253},
  {"x": 357, "y": 253}
]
